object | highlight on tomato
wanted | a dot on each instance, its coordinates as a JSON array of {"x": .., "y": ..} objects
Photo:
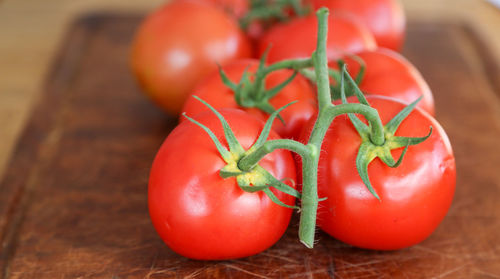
[
  {"x": 178, "y": 45},
  {"x": 297, "y": 38},
  {"x": 278, "y": 89},
  {"x": 385, "y": 18}
]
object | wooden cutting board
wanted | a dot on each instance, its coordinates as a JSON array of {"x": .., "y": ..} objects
[{"x": 73, "y": 200}]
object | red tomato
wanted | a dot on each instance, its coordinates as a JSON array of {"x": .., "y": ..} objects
[
  {"x": 238, "y": 8},
  {"x": 388, "y": 73},
  {"x": 297, "y": 38},
  {"x": 180, "y": 43},
  {"x": 384, "y": 18},
  {"x": 213, "y": 91},
  {"x": 200, "y": 215},
  {"x": 414, "y": 197}
]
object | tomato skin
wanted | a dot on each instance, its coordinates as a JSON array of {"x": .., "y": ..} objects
[
  {"x": 388, "y": 73},
  {"x": 200, "y": 215},
  {"x": 238, "y": 8},
  {"x": 213, "y": 91},
  {"x": 180, "y": 43},
  {"x": 297, "y": 38},
  {"x": 415, "y": 196},
  {"x": 385, "y": 18}
]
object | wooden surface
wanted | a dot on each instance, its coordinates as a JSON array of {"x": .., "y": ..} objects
[
  {"x": 73, "y": 199},
  {"x": 31, "y": 32}
]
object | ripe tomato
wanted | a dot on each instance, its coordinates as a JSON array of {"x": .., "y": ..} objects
[
  {"x": 200, "y": 215},
  {"x": 388, "y": 73},
  {"x": 297, "y": 38},
  {"x": 414, "y": 197},
  {"x": 213, "y": 91},
  {"x": 238, "y": 8},
  {"x": 177, "y": 45},
  {"x": 384, "y": 18}
]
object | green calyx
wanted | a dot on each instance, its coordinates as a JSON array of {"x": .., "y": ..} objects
[
  {"x": 251, "y": 93},
  {"x": 337, "y": 76},
  {"x": 369, "y": 150},
  {"x": 269, "y": 11},
  {"x": 253, "y": 179}
]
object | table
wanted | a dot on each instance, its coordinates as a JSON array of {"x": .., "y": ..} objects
[{"x": 73, "y": 198}]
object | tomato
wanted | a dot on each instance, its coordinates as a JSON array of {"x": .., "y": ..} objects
[
  {"x": 297, "y": 38},
  {"x": 213, "y": 91},
  {"x": 201, "y": 215},
  {"x": 180, "y": 43},
  {"x": 238, "y": 8},
  {"x": 414, "y": 197},
  {"x": 388, "y": 73},
  {"x": 385, "y": 18}
]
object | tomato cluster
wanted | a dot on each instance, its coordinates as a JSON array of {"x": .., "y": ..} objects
[
  {"x": 223, "y": 184},
  {"x": 182, "y": 42}
]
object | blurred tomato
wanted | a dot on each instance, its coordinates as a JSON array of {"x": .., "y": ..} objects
[
  {"x": 297, "y": 38},
  {"x": 384, "y": 18},
  {"x": 238, "y": 8},
  {"x": 180, "y": 43}
]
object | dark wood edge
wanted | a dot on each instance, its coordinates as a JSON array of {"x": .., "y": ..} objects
[{"x": 38, "y": 139}]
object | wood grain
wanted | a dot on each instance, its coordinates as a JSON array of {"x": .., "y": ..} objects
[{"x": 73, "y": 200}]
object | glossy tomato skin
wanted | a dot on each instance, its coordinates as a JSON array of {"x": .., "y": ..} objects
[
  {"x": 297, "y": 38},
  {"x": 385, "y": 18},
  {"x": 178, "y": 45},
  {"x": 213, "y": 91},
  {"x": 415, "y": 196},
  {"x": 388, "y": 73},
  {"x": 200, "y": 215}
]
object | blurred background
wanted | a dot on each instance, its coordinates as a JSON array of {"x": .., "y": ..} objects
[{"x": 31, "y": 32}]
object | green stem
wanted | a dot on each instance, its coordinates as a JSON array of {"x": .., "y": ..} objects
[
  {"x": 310, "y": 164},
  {"x": 309, "y": 74},
  {"x": 249, "y": 161},
  {"x": 320, "y": 62},
  {"x": 294, "y": 64},
  {"x": 309, "y": 202},
  {"x": 371, "y": 115},
  {"x": 326, "y": 114}
]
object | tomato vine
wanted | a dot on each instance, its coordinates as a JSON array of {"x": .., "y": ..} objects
[{"x": 377, "y": 140}]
